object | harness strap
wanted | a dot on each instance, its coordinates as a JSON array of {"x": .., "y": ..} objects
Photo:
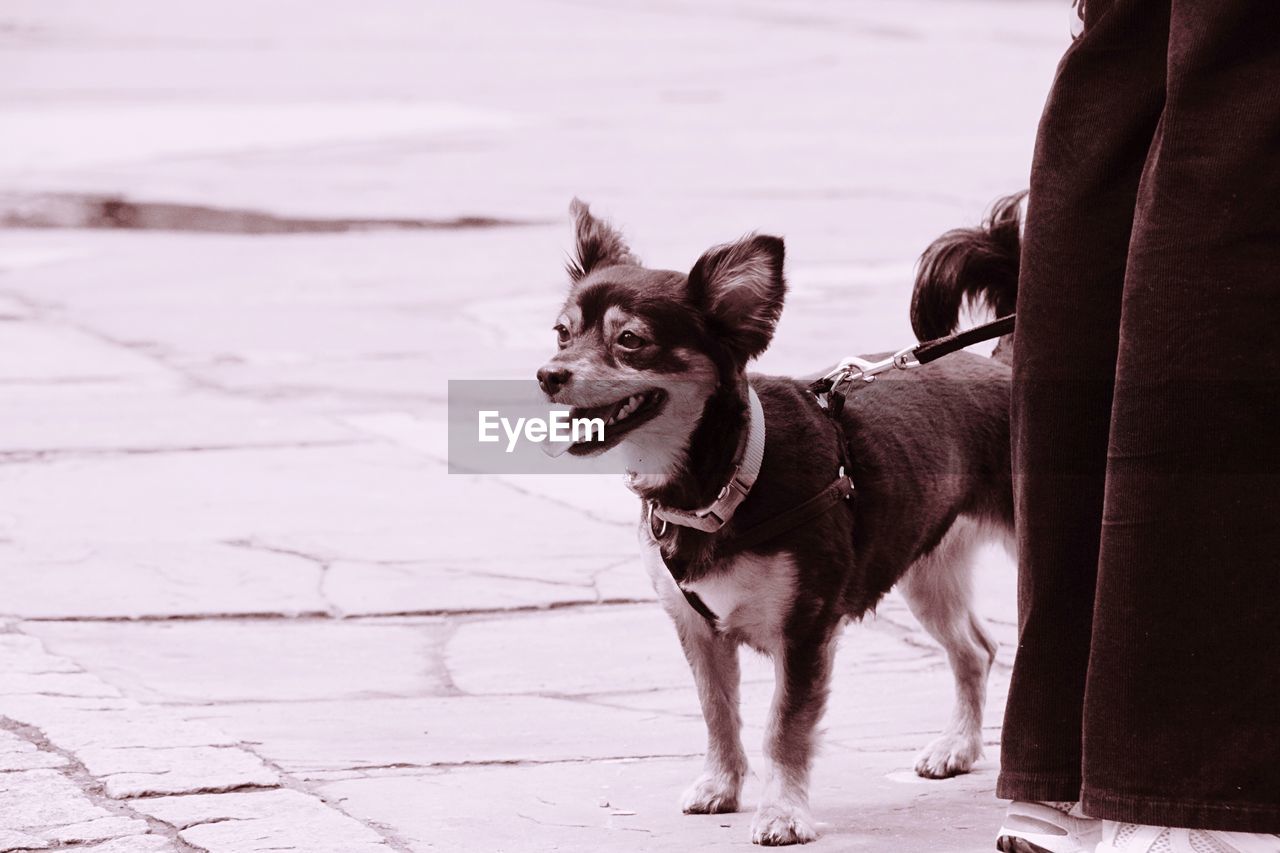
[
  {"x": 699, "y": 606},
  {"x": 840, "y": 489}
]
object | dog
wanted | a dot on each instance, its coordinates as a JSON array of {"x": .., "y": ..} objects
[{"x": 660, "y": 356}]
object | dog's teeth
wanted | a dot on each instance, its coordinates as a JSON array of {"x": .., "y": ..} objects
[{"x": 624, "y": 411}]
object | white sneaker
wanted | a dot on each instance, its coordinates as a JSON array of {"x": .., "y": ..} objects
[
  {"x": 1047, "y": 828},
  {"x": 1134, "y": 838}
]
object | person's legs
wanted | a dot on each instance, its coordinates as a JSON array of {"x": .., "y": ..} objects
[
  {"x": 1092, "y": 142},
  {"x": 1182, "y": 709}
]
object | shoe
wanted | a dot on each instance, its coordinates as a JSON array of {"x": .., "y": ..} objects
[
  {"x": 1047, "y": 828},
  {"x": 1134, "y": 838}
]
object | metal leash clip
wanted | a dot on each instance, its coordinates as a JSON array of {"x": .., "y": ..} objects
[{"x": 853, "y": 368}]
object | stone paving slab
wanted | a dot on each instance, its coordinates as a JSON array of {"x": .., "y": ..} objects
[
  {"x": 325, "y": 503},
  {"x": 323, "y": 740},
  {"x": 209, "y": 662},
  {"x": 55, "y": 353},
  {"x": 263, "y": 821},
  {"x": 439, "y": 585},
  {"x": 101, "y": 580},
  {"x": 176, "y": 770}
]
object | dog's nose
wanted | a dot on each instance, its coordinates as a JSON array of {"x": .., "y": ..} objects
[{"x": 552, "y": 379}]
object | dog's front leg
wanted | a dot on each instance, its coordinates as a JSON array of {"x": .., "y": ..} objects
[
  {"x": 803, "y": 673},
  {"x": 714, "y": 661}
]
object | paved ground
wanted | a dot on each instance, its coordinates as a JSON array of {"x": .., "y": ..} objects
[{"x": 242, "y": 605}]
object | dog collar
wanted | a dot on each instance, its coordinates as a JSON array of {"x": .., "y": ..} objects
[{"x": 746, "y": 468}]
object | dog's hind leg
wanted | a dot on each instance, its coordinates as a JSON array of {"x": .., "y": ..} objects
[
  {"x": 714, "y": 661},
  {"x": 939, "y": 590}
]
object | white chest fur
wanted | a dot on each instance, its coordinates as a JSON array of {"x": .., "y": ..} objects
[{"x": 751, "y": 595}]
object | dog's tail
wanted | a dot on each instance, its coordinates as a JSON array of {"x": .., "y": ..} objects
[{"x": 974, "y": 265}]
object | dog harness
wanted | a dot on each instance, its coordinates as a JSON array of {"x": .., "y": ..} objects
[
  {"x": 829, "y": 390},
  {"x": 746, "y": 469}
]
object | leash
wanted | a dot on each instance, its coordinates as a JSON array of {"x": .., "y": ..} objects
[
  {"x": 828, "y": 387},
  {"x": 938, "y": 347},
  {"x": 840, "y": 489}
]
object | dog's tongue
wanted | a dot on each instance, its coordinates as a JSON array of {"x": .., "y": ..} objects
[{"x": 555, "y": 448}]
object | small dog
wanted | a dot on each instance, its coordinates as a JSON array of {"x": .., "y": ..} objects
[{"x": 745, "y": 533}]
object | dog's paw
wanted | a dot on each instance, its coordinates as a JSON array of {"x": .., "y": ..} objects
[
  {"x": 776, "y": 824},
  {"x": 948, "y": 755},
  {"x": 712, "y": 793}
]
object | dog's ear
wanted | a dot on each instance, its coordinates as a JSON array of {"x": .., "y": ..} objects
[
  {"x": 597, "y": 243},
  {"x": 740, "y": 288}
]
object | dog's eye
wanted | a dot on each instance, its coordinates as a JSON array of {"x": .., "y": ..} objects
[
  {"x": 562, "y": 334},
  {"x": 630, "y": 340}
]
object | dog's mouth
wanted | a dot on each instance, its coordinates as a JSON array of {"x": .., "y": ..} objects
[{"x": 620, "y": 417}]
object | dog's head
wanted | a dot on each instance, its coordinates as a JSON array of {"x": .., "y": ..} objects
[{"x": 644, "y": 349}]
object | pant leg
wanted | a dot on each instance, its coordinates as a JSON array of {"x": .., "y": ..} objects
[
  {"x": 1092, "y": 142},
  {"x": 1182, "y": 712}
]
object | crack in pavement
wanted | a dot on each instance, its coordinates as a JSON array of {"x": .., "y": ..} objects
[
  {"x": 289, "y": 782},
  {"x": 321, "y": 615},
  {"x": 248, "y": 616},
  {"x": 540, "y": 762},
  {"x": 572, "y": 584},
  {"x": 26, "y": 457},
  {"x": 89, "y": 785},
  {"x": 598, "y": 573},
  {"x": 209, "y": 821},
  {"x": 55, "y": 314},
  {"x": 244, "y": 788},
  {"x": 439, "y": 659},
  {"x": 190, "y": 376},
  {"x": 93, "y": 787},
  {"x": 322, "y": 564},
  {"x": 563, "y": 504}
]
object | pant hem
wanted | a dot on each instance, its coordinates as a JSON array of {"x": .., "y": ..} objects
[
  {"x": 1154, "y": 811},
  {"x": 1037, "y": 787}
]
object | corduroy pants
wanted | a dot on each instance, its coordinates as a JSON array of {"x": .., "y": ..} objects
[{"x": 1146, "y": 424}]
